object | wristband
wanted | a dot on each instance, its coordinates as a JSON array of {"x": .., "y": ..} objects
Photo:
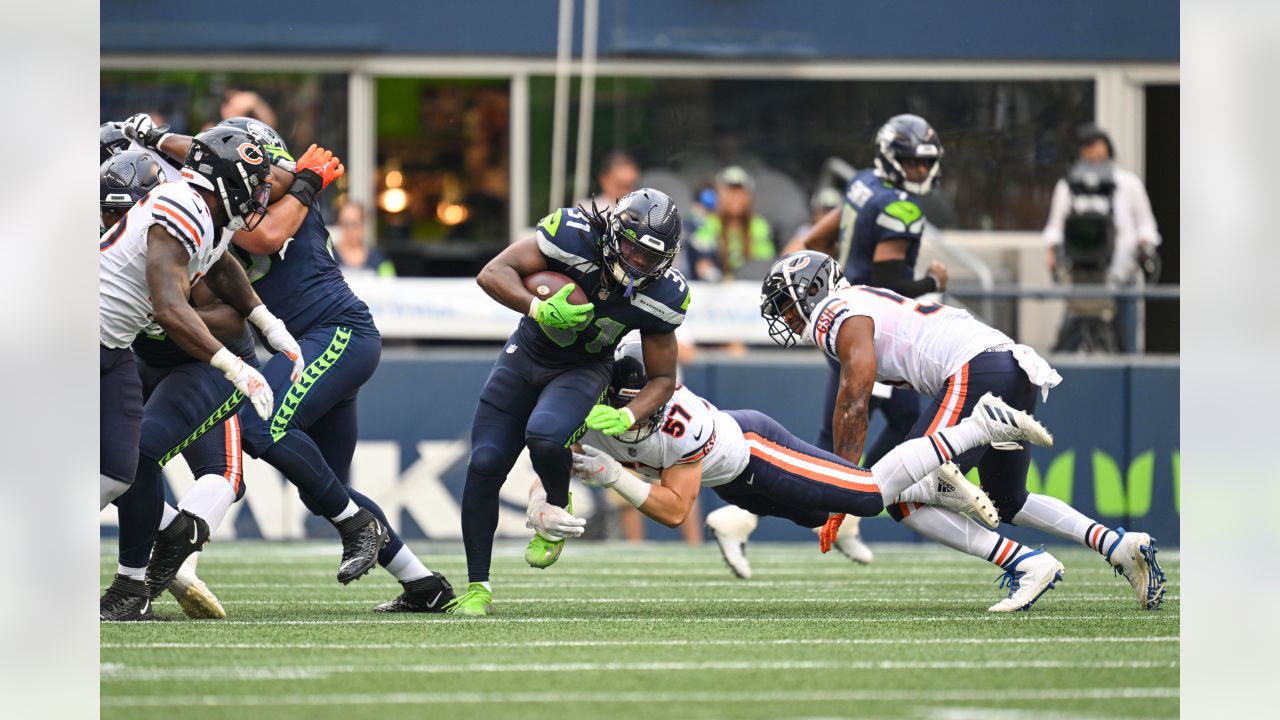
[
  {"x": 306, "y": 185},
  {"x": 632, "y": 489},
  {"x": 631, "y": 417},
  {"x": 261, "y": 317},
  {"x": 533, "y": 308},
  {"x": 224, "y": 360}
]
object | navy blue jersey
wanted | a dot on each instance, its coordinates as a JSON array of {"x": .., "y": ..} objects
[
  {"x": 570, "y": 247},
  {"x": 302, "y": 283},
  {"x": 159, "y": 351},
  {"x": 875, "y": 211}
]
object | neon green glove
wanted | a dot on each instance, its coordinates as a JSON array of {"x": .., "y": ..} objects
[
  {"x": 610, "y": 421},
  {"x": 557, "y": 312}
]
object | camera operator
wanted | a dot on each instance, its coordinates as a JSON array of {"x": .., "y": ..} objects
[{"x": 1100, "y": 230}]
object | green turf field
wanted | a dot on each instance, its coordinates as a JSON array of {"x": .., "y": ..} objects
[{"x": 656, "y": 631}]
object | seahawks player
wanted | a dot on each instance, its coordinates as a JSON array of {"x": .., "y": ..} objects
[
  {"x": 146, "y": 264},
  {"x": 875, "y": 235},
  {"x": 942, "y": 351},
  {"x": 310, "y": 435},
  {"x": 555, "y": 368}
]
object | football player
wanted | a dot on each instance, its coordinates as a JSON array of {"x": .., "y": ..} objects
[
  {"x": 311, "y": 432},
  {"x": 941, "y": 351},
  {"x": 545, "y": 389},
  {"x": 875, "y": 235},
  {"x": 147, "y": 262},
  {"x": 752, "y": 462}
]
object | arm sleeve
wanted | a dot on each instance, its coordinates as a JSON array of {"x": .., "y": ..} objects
[
  {"x": 895, "y": 275},
  {"x": 1058, "y": 208}
]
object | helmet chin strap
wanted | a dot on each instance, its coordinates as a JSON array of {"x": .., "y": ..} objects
[{"x": 631, "y": 284}]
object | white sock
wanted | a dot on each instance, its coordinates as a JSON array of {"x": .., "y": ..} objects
[
  {"x": 735, "y": 521},
  {"x": 406, "y": 567},
  {"x": 913, "y": 460},
  {"x": 135, "y": 573},
  {"x": 210, "y": 498},
  {"x": 487, "y": 586},
  {"x": 350, "y": 510},
  {"x": 959, "y": 532},
  {"x": 167, "y": 516},
  {"x": 1051, "y": 515},
  {"x": 109, "y": 489}
]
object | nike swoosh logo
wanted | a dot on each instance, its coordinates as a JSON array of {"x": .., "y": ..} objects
[
  {"x": 195, "y": 533},
  {"x": 751, "y": 480},
  {"x": 145, "y": 606},
  {"x": 699, "y": 435},
  {"x": 435, "y": 599}
]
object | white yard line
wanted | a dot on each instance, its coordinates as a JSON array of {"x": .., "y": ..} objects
[
  {"x": 1004, "y": 696},
  {"x": 513, "y": 645},
  {"x": 373, "y": 600},
  {"x": 1031, "y": 617}
]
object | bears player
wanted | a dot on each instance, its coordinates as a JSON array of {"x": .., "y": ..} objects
[
  {"x": 214, "y": 459},
  {"x": 146, "y": 264},
  {"x": 752, "y": 462},
  {"x": 312, "y": 431},
  {"x": 875, "y": 235},
  {"x": 944, "y": 352},
  {"x": 555, "y": 368}
]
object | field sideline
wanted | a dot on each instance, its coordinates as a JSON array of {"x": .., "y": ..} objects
[{"x": 660, "y": 630}]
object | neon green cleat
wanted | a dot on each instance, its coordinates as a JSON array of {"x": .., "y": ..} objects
[
  {"x": 542, "y": 553},
  {"x": 475, "y": 601}
]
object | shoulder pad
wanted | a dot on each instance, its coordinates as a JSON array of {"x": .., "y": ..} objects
[
  {"x": 902, "y": 216},
  {"x": 566, "y": 240},
  {"x": 176, "y": 206}
]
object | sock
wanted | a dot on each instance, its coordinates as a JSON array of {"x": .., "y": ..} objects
[
  {"x": 733, "y": 520},
  {"x": 406, "y": 567},
  {"x": 914, "y": 459},
  {"x": 479, "y": 522},
  {"x": 167, "y": 516},
  {"x": 1051, "y": 515},
  {"x": 349, "y": 511},
  {"x": 132, "y": 572},
  {"x": 210, "y": 498},
  {"x": 298, "y": 458},
  {"x": 1004, "y": 552},
  {"x": 487, "y": 586},
  {"x": 392, "y": 548},
  {"x": 140, "y": 511},
  {"x": 954, "y": 530},
  {"x": 109, "y": 489}
]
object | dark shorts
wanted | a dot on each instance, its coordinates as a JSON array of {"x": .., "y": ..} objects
[
  {"x": 787, "y": 477},
  {"x": 119, "y": 413}
]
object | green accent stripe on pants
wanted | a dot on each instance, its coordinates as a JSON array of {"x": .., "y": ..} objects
[
  {"x": 224, "y": 411},
  {"x": 313, "y": 372}
]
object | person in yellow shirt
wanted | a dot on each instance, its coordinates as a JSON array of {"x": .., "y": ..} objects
[{"x": 734, "y": 234}]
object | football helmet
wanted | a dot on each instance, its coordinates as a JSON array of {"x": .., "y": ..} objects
[
  {"x": 793, "y": 289},
  {"x": 124, "y": 179},
  {"x": 641, "y": 240},
  {"x": 228, "y": 162},
  {"x": 111, "y": 140},
  {"x": 628, "y": 379},
  {"x": 266, "y": 136},
  {"x": 908, "y": 137}
]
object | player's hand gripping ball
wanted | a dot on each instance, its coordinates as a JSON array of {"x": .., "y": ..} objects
[{"x": 610, "y": 421}]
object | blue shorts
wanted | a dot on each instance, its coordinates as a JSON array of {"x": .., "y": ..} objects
[
  {"x": 787, "y": 477},
  {"x": 119, "y": 413}
]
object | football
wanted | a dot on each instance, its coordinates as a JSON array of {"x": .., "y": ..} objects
[{"x": 545, "y": 284}]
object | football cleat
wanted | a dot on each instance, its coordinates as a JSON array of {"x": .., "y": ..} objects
[
  {"x": 948, "y": 488},
  {"x": 193, "y": 596},
  {"x": 363, "y": 535},
  {"x": 1005, "y": 426},
  {"x": 126, "y": 600},
  {"x": 849, "y": 542},
  {"x": 424, "y": 595},
  {"x": 730, "y": 526},
  {"x": 1027, "y": 578},
  {"x": 475, "y": 601},
  {"x": 542, "y": 553},
  {"x": 1134, "y": 556},
  {"x": 188, "y": 533}
]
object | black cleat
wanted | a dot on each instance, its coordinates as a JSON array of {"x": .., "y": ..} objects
[
  {"x": 188, "y": 533},
  {"x": 363, "y": 535},
  {"x": 125, "y": 600},
  {"x": 424, "y": 595}
]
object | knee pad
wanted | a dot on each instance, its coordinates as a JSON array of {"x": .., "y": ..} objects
[
  {"x": 1009, "y": 504},
  {"x": 488, "y": 460},
  {"x": 542, "y": 449}
]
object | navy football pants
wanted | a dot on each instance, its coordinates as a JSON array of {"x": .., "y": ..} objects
[
  {"x": 789, "y": 478},
  {"x": 523, "y": 403}
]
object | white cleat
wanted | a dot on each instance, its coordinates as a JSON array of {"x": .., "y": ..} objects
[
  {"x": 1005, "y": 426},
  {"x": 849, "y": 542},
  {"x": 949, "y": 489},
  {"x": 195, "y": 598},
  {"x": 1134, "y": 556},
  {"x": 731, "y": 526},
  {"x": 1027, "y": 579}
]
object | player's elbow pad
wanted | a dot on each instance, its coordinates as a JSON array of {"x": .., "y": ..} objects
[{"x": 896, "y": 275}]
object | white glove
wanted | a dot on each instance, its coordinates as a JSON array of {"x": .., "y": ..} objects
[
  {"x": 551, "y": 522},
  {"x": 278, "y": 337},
  {"x": 596, "y": 468},
  {"x": 247, "y": 380},
  {"x": 142, "y": 129}
]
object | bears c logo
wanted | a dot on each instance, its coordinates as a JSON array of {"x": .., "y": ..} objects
[
  {"x": 797, "y": 263},
  {"x": 251, "y": 153}
]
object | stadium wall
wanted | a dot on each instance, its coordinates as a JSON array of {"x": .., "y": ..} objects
[{"x": 1116, "y": 455}]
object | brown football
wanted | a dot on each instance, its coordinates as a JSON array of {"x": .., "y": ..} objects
[{"x": 546, "y": 283}]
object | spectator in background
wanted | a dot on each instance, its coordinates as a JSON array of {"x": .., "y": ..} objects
[
  {"x": 618, "y": 176},
  {"x": 734, "y": 235},
  {"x": 354, "y": 255},
  {"x": 823, "y": 201},
  {"x": 246, "y": 103}
]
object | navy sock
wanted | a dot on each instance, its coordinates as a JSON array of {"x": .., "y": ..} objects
[
  {"x": 479, "y": 522},
  {"x": 296, "y": 456},
  {"x": 389, "y": 550},
  {"x": 141, "y": 508}
]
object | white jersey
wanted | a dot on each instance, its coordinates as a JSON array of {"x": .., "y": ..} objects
[
  {"x": 920, "y": 345},
  {"x": 124, "y": 298},
  {"x": 692, "y": 429}
]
